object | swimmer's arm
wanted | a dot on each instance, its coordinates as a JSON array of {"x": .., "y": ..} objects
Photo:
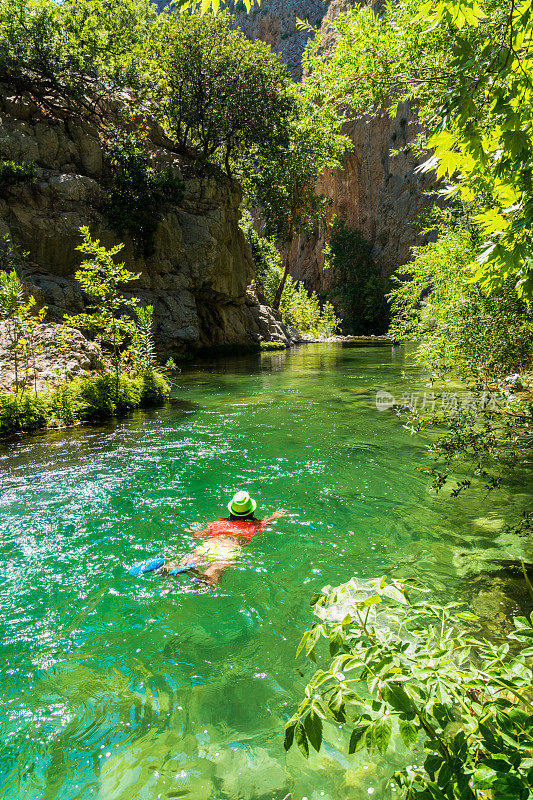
[
  {"x": 273, "y": 517},
  {"x": 197, "y": 529}
]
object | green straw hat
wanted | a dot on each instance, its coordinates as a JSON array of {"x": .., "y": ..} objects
[{"x": 241, "y": 504}]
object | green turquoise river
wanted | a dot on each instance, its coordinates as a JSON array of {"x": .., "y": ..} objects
[{"x": 116, "y": 688}]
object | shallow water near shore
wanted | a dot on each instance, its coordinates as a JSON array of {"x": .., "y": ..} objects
[{"x": 135, "y": 689}]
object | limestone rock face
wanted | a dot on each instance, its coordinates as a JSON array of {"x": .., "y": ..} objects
[
  {"x": 374, "y": 192},
  {"x": 379, "y": 194},
  {"x": 198, "y": 275},
  {"x": 54, "y": 361},
  {"x": 275, "y": 22}
]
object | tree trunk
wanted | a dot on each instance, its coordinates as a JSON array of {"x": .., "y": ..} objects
[{"x": 286, "y": 266}]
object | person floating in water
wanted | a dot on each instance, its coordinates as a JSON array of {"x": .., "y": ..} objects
[{"x": 225, "y": 539}]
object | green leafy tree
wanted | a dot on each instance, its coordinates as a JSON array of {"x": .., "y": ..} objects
[
  {"x": 142, "y": 348},
  {"x": 462, "y": 332},
  {"x": 412, "y": 670},
  {"x": 20, "y": 318},
  {"x": 102, "y": 278},
  {"x": 468, "y": 69},
  {"x": 484, "y": 435},
  {"x": 298, "y": 307},
  {"x": 204, "y": 6},
  {"x": 72, "y": 56},
  {"x": 284, "y": 186},
  {"x": 221, "y": 94},
  {"x": 358, "y": 284}
]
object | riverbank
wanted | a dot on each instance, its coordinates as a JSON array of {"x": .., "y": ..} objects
[
  {"x": 382, "y": 340},
  {"x": 89, "y": 399},
  {"x": 86, "y": 396}
]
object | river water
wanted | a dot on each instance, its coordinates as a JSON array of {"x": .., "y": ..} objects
[{"x": 117, "y": 688}]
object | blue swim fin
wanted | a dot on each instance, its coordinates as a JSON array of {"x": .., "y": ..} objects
[
  {"x": 179, "y": 570},
  {"x": 146, "y": 566}
]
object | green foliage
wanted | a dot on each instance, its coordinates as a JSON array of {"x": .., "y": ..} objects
[
  {"x": 64, "y": 404},
  {"x": 22, "y": 412},
  {"x": 357, "y": 281},
  {"x": 138, "y": 194},
  {"x": 142, "y": 349},
  {"x": 214, "y": 5},
  {"x": 303, "y": 310},
  {"x": 12, "y": 173},
  {"x": 73, "y": 55},
  {"x": 284, "y": 187},
  {"x": 154, "y": 388},
  {"x": 461, "y": 330},
  {"x": 220, "y": 93},
  {"x": 90, "y": 399},
  {"x": 266, "y": 346},
  {"x": 468, "y": 68},
  {"x": 98, "y": 399},
  {"x": 99, "y": 396},
  {"x": 412, "y": 670},
  {"x": 101, "y": 277},
  {"x": 298, "y": 307},
  {"x": 20, "y": 321},
  {"x": 480, "y": 438},
  {"x": 11, "y": 259},
  {"x": 265, "y": 254},
  {"x": 462, "y": 334}
]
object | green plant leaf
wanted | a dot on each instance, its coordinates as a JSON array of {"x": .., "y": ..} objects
[
  {"x": 313, "y": 729},
  {"x": 397, "y": 697},
  {"x": 371, "y": 601},
  {"x": 483, "y": 777},
  {"x": 358, "y": 737},
  {"x": 433, "y": 763},
  {"x": 408, "y": 732},
  {"x": 336, "y": 706},
  {"x": 289, "y": 736},
  {"x": 381, "y": 734},
  {"x": 301, "y": 739}
]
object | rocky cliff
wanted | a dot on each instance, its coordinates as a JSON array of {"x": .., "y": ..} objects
[
  {"x": 379, "y": 194},
  {"x": 201, "y": 267},
  {"x": 275, "y": 22}
]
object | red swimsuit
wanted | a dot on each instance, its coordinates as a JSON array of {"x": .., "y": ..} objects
[{"x": 239, "y": 528}]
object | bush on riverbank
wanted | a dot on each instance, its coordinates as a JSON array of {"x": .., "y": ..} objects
[
  {"x": 266, "y": 346},
  {"x": 484, "y": 431},
  {"x": 127, "y": 346},
  {"x": 80, "y": 400}
]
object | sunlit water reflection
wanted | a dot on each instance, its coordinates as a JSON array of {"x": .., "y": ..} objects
[{"x": 123, "y": 689}]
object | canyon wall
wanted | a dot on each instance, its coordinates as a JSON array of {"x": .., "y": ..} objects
[
  {"x": 275, "y": 22},
  {"x": 201, "y": 267},
  {"x": 379, "y": 194},
  {"x": 376, "y": 193}
]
